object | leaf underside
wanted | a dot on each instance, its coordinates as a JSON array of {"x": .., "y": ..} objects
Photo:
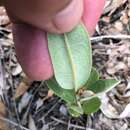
[{"x": 71, "y": 57}]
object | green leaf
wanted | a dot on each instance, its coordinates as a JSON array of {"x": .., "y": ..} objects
[
  {"x": 94, "y": 76},
  {"x": 91, "y": 106},
  {"x": 103, "y": 85},
  {"x": 67, "y": 95},
  {"x": 75, "y": 110},
  {"x": 71, "y": 57}
]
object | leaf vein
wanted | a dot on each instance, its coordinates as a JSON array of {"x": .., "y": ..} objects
[{"x": 71, "y": 60}]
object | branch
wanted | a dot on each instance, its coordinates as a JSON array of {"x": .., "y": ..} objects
[
  {"x": 100, "y": 38},
  {"x": 13, "y": 123}
]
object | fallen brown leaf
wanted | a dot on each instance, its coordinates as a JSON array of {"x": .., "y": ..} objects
[
  {"x": 23, "y": 87},
  {"x": 49, "y": 94},
  {"x": 2, "y": 109},
  {"x": 32, "y": 125},
  {"x": 3, "y": 125}
]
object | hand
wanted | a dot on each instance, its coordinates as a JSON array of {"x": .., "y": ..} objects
[{"x": 33, "y": 18}]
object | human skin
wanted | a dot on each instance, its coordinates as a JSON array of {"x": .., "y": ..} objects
[{"x": 33, "y": 18}]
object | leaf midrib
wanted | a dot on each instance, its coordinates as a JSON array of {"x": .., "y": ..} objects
[{"x": 71, "y": 61}]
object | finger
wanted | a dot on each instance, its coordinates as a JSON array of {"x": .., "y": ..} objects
[
  {"x": 67, "y": 19},
  {"x": 32, "y": 51},
  {"x": 56, "y": 16},
  {"x": 92, "y": 12}
]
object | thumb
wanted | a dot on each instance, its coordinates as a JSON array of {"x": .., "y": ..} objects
[{"x": 55, "y": 16}]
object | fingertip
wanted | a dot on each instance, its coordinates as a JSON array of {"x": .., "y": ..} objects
[
  {"x": 92, "y": 12},
  {"x": 39, "y": 75},
  {"x": 66, "y": 19}
]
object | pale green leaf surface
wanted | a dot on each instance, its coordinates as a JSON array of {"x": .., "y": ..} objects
[
  {"x": 103, "y": 85},
  {"x": 94, "y": 76},
  {"x": 67, "y": 95},
  {"x": 71, "y": 57},
  {"x": 91, "y": 106}
]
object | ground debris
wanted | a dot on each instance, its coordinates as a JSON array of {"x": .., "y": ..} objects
[{"x": 31, "y": 105}]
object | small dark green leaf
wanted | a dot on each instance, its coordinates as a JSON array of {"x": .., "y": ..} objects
[
  {"x": 75, "y": 111},
  {"x": 91, "y": 106},
  {"x": 94, "y": 76},
  {"x": 103, "y": 85},
  {"x": 71, "y": 57},
  {"x": 67, "y": 95}
]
